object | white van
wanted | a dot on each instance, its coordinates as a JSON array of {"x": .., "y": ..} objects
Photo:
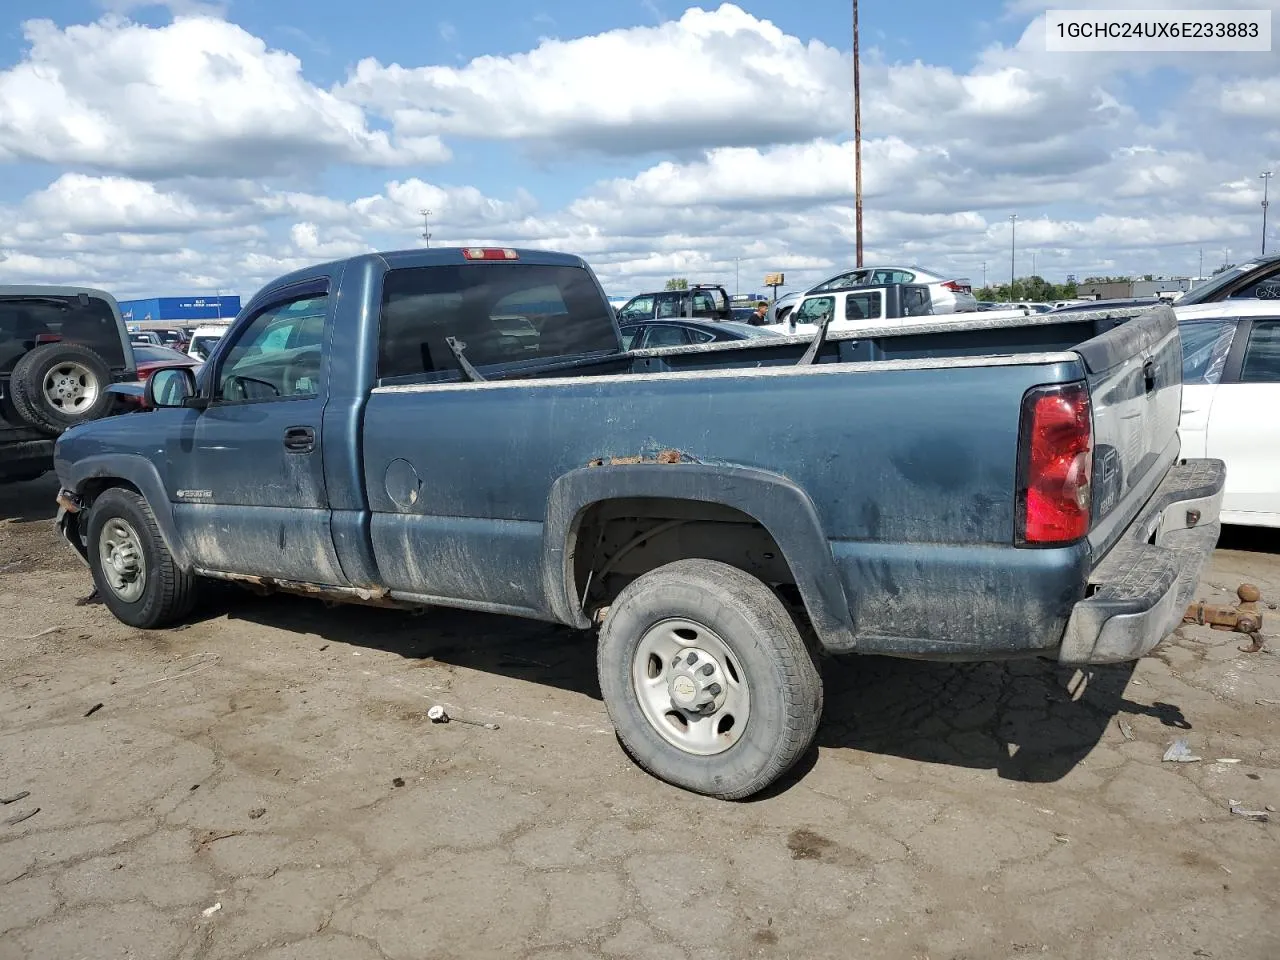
[{"x": 203, "y": 339}]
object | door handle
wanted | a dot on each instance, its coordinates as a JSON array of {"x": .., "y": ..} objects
[
  {"x": 300, "y": 439},
  {"x": 1150, "y": 370}
]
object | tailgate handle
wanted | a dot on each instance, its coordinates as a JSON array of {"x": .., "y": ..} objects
[
  {"x": 1150, "y": 370},
  {"x": 299, "y": 439}
]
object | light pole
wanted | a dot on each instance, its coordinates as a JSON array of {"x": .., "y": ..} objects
[
  {"x": 1013, "y": 251},
  {"x": 984, "y": 273},
  {"x": 737, "y": 262},
  {"x": 1265, "y": 177},
  {"x": 426, "y": 226},
  {"x": 857, "y": 140},
  {"x": 1033, "y": 264}
]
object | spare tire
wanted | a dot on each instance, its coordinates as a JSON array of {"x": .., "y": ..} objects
[{"x": 58, "y": 385}]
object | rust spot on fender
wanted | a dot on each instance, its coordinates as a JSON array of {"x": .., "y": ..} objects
[{"x": 663, "y": 456}]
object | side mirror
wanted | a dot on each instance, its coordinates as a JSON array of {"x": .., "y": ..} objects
[{"x": 171, "y": 387}]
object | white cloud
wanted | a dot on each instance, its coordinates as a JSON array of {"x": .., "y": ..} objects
[
  {"x": 197, "y": 185},
  {"x": 720, "y": 77},
  {"x": 199, "y": 96}
]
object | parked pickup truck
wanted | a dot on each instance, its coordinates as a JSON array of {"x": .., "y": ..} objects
[
  {"x": 855, "y": 309},
  {"x": 385, "y": 429}
]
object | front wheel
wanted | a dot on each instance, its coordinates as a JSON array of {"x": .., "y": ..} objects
[
  {"x": 134, "y": 572},
  {"x": 707, "y": 680}
]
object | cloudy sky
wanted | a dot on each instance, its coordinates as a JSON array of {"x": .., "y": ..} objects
[{"x": 188, "y": 146}]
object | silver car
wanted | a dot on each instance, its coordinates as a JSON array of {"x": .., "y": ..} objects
[{"x": 948, "y": 296}]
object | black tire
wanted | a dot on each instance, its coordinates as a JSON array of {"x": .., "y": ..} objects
[
  {"x": 784, "y": 686},
  {"x": 168, "y": 592},
  {"x": 31, "y": 400}
]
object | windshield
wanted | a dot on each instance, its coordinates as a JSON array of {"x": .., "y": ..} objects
[
  {"x": 502, "y": 312},
  {"x": 28, "y": 321},
  {"x": 1204, "y": 293}
]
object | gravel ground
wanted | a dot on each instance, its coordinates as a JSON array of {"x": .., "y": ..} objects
[{"x": 264, "y": 783}]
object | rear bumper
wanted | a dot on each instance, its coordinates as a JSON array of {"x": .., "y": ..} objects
[{"x": 1140, "y": 590}]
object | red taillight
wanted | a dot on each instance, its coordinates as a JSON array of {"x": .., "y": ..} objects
[
  {"x": 490, "y": 253},
  {"x": 955, "y": 286},
  {"x": 1055, "y": 464}
]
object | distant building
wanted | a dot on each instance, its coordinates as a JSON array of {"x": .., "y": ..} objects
[
  {"x": 1153, "y": 288},
  {"x": 1114, "y": 290},
  {"x": 179, "y": 309},
  {"x": 1124, "y": 289}
]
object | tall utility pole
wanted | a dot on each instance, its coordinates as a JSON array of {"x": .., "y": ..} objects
[
  {"x": 1013, "y": 251},
  {"x": 1200, "y": 272},
  {"x": 737, "y": 263},
  {"x": 984, "y": 274},
  {"x": 1033, "y": 263},
  {"x": 426, "y": 226},
  {"x": 857, "y": 139},
  {"x": 1265, "y": 177}
]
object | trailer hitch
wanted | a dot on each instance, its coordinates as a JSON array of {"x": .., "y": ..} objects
[{"x": 1245, "y": 617}]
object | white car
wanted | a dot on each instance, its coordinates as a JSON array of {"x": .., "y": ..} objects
[
  {"x": 203, "y": 339},
  {"x": 1231, "y": 401}
]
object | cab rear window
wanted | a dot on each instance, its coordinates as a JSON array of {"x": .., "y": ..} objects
[{"x": 504, "y": 313}]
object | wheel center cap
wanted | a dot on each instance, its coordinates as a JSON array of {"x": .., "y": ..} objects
[{"x": 684, "y": 688}]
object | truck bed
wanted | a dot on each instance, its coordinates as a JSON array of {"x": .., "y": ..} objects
[{"x": 902, "y": 440}]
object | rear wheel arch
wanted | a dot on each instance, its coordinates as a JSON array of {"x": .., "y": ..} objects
[{"x": 782, "y": 511}]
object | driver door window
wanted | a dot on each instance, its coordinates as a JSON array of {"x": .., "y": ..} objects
[
  {"x": 641, "y": 308},
  {"x": 815, "y": 309},
  {"x": 278, "y": 355}
]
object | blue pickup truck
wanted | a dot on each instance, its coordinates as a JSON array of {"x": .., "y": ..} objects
[{"x": 462, "y": 427}]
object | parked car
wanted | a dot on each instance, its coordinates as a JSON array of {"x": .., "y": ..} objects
[
  {"x": 366, "y": 431},
  {"x": 1256, "y": 280},
  {"x": 706, "y": 301},
  {"x": 781, "y": 308},
  {"x": 175, "y": 338},
  {"x": 947, "y": 296},
  {"x": 683, "y": 333},
  {"x": 60, "y": 350},
  {"x": 1231, "y": 401},
  {"x": 145, "y": 337},
  {"x": 203, "y": 340},
  {"x": 149, "y": 359}
]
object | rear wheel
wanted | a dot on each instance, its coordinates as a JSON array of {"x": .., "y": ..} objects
[
  {"x": 58, "y": 385},
  {"x": 134, "y": 572},
  {"x": 707, "y": 680}
]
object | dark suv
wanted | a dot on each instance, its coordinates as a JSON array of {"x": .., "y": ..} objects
[
  {"x": 703, "y": 301},
  {"x": 60, "y": 349}
]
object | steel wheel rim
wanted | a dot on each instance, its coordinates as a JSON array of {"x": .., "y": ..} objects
[
  {"x": 123, "y": 564},
  {"x": 70, "y": 387},
  {"x": 699, "y": 706}
]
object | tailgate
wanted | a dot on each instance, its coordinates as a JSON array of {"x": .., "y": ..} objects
[{"x": 1134, "y": 372}]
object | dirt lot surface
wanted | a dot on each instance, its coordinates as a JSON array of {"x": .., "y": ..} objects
[{"x": 265, "y": 783}]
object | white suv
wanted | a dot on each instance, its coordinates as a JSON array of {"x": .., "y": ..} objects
[{"x": 203, "y": 339}]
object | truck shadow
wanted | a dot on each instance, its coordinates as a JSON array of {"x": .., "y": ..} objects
[
  {"x": 1017, "y": 718},
  {"x": 29, "y": 501}
]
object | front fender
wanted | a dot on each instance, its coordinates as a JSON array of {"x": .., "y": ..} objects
[
  {"x": 778, "y": 504},
  {"x": 135, "y": 471}
]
